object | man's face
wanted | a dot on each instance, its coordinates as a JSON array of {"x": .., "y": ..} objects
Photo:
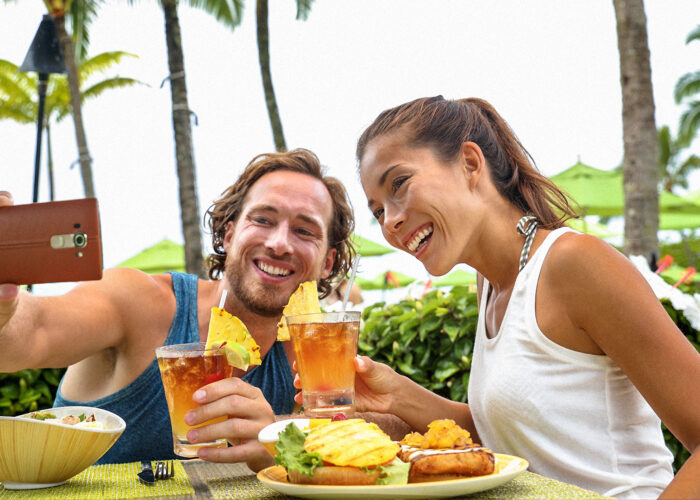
[{"x": 279, "y": 240}]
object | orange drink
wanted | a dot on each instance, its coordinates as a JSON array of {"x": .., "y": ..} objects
[
  {"x": 184, "y": 368},
  {"x": 325, "y": 345}
]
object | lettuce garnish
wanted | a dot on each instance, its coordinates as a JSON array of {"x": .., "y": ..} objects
[
  {"x": 291, "y": 453},
  {"x": 395, "y": 472}
]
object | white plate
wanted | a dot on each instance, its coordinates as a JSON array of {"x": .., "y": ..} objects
[
  {"x": 508, "y": 467},
  {"x": 270, "y": 433}
]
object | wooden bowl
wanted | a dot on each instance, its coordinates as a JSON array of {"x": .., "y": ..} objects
[{"x": 43, "y": 453}]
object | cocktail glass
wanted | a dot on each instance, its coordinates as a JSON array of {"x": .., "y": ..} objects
[
  {"x": 325, "y": 345},
  {"x": 184, "y": 368}
]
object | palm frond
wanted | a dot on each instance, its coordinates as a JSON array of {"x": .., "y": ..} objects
[
  {"x": 101, "y": 62},
  {"x": 227, "y": 12},
  {"x": 693, "y": 35},
  {"x": 16, "y": 90},
  {"x": 82, "y": 15},
  {"x": 21, "y": 79},
  {"x": 690, "y": 164},
  {"x": 58, "y": 101},
  {"x": 111, "y": 83},
  {"x": 20, "y": 114},
  {"x": 689, "y": 124},
  {"x": 687, "y": 85},
  {"x": 7, "y": 66},
  {"x": 664, "y": 135},
  {"x": 303, "y": 9}
]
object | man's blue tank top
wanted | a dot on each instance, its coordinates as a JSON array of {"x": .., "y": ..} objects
[{"x": 142, "y": 403}]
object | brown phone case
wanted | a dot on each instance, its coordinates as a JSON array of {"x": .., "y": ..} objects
[{"x": 50, "y": 242}]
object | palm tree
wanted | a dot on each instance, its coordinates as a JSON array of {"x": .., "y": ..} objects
[
  {"x": 17, "y": 91},
  {"x": 674, "y": 169},
  {"x": 229, "y": 13},
  {"x": 689, "y": 85},
  {"x": 58, "y": 9},
  {"x": 639, "y": 167},
  {"x": 263, "y": 35}
]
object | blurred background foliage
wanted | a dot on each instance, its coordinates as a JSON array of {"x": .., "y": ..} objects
[{"x": 28, "y": 390}]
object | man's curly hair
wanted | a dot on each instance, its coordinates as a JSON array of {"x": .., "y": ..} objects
[{"x": 230, "y": 205}]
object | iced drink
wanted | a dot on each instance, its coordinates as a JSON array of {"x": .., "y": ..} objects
[
  {"x": 184, "y": 368},
  {"x": 325, "y": 345}
]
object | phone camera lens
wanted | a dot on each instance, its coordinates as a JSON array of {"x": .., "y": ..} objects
[{"x": 79, "y": 240}]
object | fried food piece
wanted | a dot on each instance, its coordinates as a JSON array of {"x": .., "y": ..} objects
[
  {"x": 436, "y": 465},
  {"x": 445, "y": 451},
  {"x": 441, "y": 434}
]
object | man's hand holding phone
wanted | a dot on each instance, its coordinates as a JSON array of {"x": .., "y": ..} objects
[{"x": 49, "y": 242}]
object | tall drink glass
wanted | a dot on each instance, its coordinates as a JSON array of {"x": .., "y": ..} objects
[
  {"x": 325, "y": 345},
  {"x": 184, "y": 368}
]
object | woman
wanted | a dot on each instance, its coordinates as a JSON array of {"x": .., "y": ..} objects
[{"x": 574, "y": 356}]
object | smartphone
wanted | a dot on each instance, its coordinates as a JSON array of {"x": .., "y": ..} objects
[{"x": 50, "y": 242}]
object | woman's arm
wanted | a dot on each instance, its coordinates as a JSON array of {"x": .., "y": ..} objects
[
  {"x": 380, "y": 389},
  {"x": 631, "y": 327}
]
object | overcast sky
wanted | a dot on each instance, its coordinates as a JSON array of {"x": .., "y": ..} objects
[{"x": 550, "y": 67}]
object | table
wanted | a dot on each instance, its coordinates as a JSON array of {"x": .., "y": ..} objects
[{"x": 196, "y": 479}]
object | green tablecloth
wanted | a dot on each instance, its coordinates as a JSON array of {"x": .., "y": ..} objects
[
  {"x": 197, "y": 479},
  {"x": 110, "y": 481}
]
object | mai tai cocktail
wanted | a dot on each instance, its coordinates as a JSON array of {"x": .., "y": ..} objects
[
  {"x": 184, "y": 368},
  {"x": 325, "y": 345}
]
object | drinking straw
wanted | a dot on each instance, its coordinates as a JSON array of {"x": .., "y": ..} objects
[
  {"x": 223, "y": 299},
  {"x": 355, "y": 262}
]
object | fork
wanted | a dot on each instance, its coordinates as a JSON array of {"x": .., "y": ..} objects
[{"x": 164, "y": 471}]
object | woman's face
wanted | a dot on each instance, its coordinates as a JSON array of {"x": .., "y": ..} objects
[{"x": 420, "y": 201}]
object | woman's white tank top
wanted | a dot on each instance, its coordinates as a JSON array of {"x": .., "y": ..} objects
[{"x": 575, "y": 417}]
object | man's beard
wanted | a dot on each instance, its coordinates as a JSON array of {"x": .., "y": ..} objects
[{"x": 263, "y": 302}]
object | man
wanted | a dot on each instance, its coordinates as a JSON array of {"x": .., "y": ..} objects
[{"x": 283, "y": 222}]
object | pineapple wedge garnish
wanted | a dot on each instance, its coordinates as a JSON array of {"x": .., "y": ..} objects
[
  {"x": 224, "y": 327},
  {"x": 303, "y": 301}
]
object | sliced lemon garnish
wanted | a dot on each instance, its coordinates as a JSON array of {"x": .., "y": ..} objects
[
  {"x": 223, "y": 327},
  {"x": 303, "y": 301}
]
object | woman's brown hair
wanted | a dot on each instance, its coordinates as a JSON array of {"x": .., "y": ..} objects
[
  {"x": 230, "y": 204},
  {"x": 444, "y": 125}
]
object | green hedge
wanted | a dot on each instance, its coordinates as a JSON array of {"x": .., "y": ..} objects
[
  {"x": 431, "y": 340},
  {"x": 28, "y": 390},
  {"x": 679, "y": 251}
]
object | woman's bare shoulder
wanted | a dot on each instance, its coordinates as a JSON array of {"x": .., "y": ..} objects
[{"x": 577, "y": 255}]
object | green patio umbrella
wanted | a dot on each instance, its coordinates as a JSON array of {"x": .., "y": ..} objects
[
  {"x": 368, "y": 248},
  {"x": 594, "y": 228},
  {"x": 385, "y": 281},
  {"x": 162, "y": 257},
  {"x": 694, "y": 197},
  {"x": 682, "y": 221},
  {"x": 673, "y": 221},
  {"x": 456, "y": 277},
  {"x": 600, "y": 192}
]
